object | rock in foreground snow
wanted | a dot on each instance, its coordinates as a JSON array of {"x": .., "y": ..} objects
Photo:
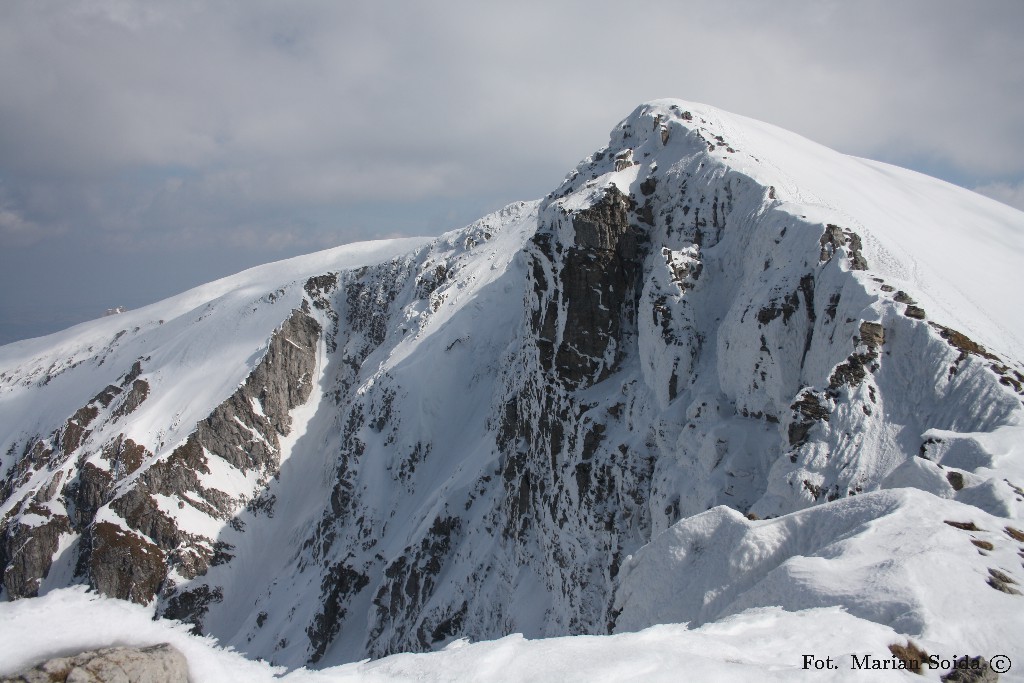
[{"x": 154, "y": 664}]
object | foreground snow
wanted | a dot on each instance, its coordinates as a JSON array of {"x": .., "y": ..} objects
[
  {"x": 766, "y": 644},
  {"x": 890, "y": 563}
]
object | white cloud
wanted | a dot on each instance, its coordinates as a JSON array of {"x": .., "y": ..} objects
[
  {"x": 18, "y": 230},
  {"x": 181, "y": 86},
  {"x": 214, "y": 85},
  {"x": 185, "y": 122},
  {"x": 15, "y": 230}
]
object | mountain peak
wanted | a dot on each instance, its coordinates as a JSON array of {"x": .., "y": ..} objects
[
  {"x": 713, "y": 335},
  {"x": 908, "y": 224}
]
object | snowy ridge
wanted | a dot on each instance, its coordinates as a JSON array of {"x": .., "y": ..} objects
[
  {"x": 910, "y": 223},
  {"x": 875, "y": 555},
  {"x": 208, "y": 339},
  {"x": 754, "y": 646},
  {"x": 719, "y": 368}
]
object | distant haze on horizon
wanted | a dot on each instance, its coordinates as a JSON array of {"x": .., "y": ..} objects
[{"x": 148, "y": 148}]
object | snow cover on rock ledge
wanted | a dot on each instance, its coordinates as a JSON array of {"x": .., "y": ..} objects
[
  {"x": 201, "y": 345},
  {"x": 959, "y": 251},
  {"x": 557, "y": 420}
]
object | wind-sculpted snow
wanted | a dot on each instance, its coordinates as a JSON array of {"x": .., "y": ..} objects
[
  {"x": 877, "y": 555},
  {"x": 713, "y": 334},
  {"x": 755, "y": 646}
]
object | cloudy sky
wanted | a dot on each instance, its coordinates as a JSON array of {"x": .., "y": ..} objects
[{"x": 148, "y": 147}]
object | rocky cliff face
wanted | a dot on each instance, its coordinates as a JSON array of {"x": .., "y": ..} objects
[
  {"x": 469, "y": 437},
  {"x": 127, "y": 541}
]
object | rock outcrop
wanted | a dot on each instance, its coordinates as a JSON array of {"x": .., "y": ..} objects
[
  {"x": 155, "y": 664},
  {"x": 142, "y": 552}
]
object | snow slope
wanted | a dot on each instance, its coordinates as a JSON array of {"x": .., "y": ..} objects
[
  {"x": 958, "y": 252},
  {"x": 201, "y": 343},
  {"x": 762, "y": 644},
  {"x": 719, "y": 369},
  {"x": 875, "y": 555}
]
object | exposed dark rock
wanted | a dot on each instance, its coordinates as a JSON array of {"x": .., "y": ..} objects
[
  {"x": 190, "y": 606},
  {"x": 685, "y": 272},
  {"x": 449, "y": 626},
  {"x": 645, "y": 214},
  {"x": 410, "y": 581},
  {"x": 141, "y": 512},
  {"x": 971, "y": 670},
  {"x": 1002, "y": 582},
  {"x": 132, "y": 563},
  {"x": 570, "y": 497},
  {"x": 915, "y": 313},
  {"x": 133, "y": 373},
  {"x": 28, "y": 551},
  {"x": 281, "y": 381},
  {"x": 133, "y": 399},
  {"x": 1007, "y": 374},
  {"x": 807, "y": 290},
  {"x": 912, "y": 656},
  {"x": 872, "y": 334},
  {"x": 624, "y": 160},
  {"x": 177, "y": 473},
  {"x": 47, "y": 491},
  {"x": 431, "y": 279},
  {"x": 809, "y": 409},
  {"x": 961, "y": 341},
  {"x": 830, "y": 240},
  {"x": 368, "y": 294},
  {"x": 857, "y": 261},
  {"x": 125, "y": 455},
  {"x": 222, "y": 552},
  {"x": 930, "y": 441},
  {"x": 107, "y": 395},
  {"x": 340, "y": 584},
  {"x": 319, "y": 287},
  {"x": 648, "y": 186},
  {"x": 123, "y": 564},
  {"x": 37, "y": 454},
  {"x": 87, "y": 493},
  {"x": 854, "y": 370},
  {"x": 789, "y": 305},
  {"x": 600, "y": 285},
  {"x": 75, "y": 431},
  {"x": 835, "y": 237},
  {"x": 813, "y": 489}
]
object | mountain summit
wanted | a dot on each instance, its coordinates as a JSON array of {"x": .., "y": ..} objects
[{"x": 720, "y": 367}]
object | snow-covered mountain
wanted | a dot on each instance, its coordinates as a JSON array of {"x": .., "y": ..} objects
[{"x": 719, "y": 368}]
